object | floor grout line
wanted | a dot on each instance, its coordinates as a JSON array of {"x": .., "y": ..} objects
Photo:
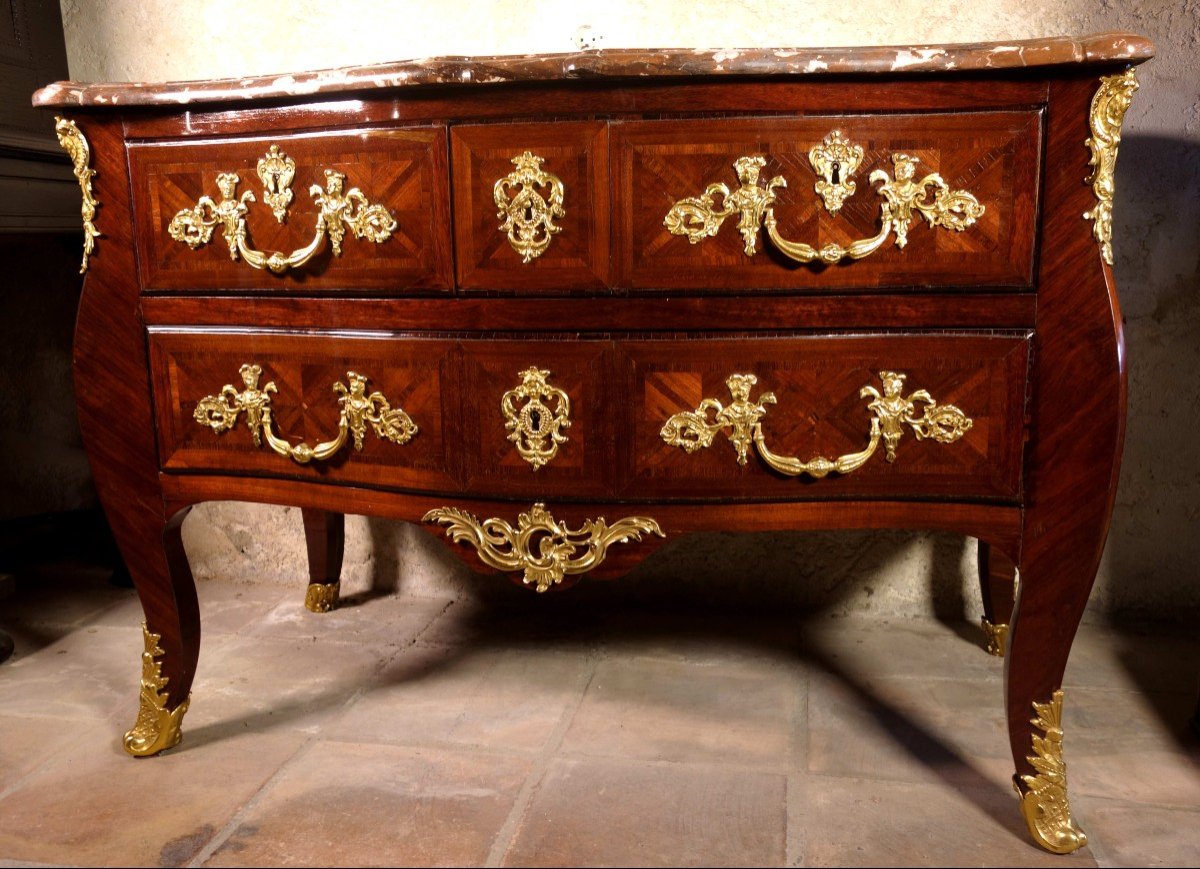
[
  {"x": 223, "y": 835},
  {"x": 506, "y": 835}
]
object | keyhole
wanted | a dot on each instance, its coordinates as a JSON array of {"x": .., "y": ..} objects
[
  {"x": 529, "y": 215},
  {"x": 535, "y": 420},
  {"x": 837, "y": 172}
]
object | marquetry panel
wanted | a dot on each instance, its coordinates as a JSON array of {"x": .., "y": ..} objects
[
  {"x": 816, "y": 381},
  {"x": 404, "y": 170},
  {"x": 992, "y": 155},
  {"x": 583, "y": 370},
  {"x": 412, "y": 374},
  {"x": 577, "y": 256}
]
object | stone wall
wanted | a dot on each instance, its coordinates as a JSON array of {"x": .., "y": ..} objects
[{"x": 1149, "y": 567}]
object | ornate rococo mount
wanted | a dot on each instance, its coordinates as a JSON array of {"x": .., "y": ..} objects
[
  {"x": 545, "y": 549},
  {"x": 76, "y": 145},
  {"x": 526, "y": 216},
  {"x": 741, "y": 420},
  {"x": 532, "y": 425},
  {"x": 339, "y": 209}
]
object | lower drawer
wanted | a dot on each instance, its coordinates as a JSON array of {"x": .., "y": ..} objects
[
  {"x": 818, "y": 417},
  {"x": 919, "y": 415}
]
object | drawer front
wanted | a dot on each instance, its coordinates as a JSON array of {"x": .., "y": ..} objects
[
  {"x": 531, "y": 206},
  {"x": 670, "y": 235},
  {"x": 817, "y": 397},
  {"x": 297, "y": 376},
  {"x": 394, "y": 230}
]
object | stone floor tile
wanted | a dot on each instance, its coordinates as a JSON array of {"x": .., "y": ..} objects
[
  {"x": 260, "y": 684},
  {"x": 95, "y": 805},
  {"x": 27, "y": 742},
  {"x": 738, "y": 713},
  {"x": 703, "y": 639},
  {"x": 609, "y": 812},
  {"x": 905, "y": 650},
  {"x": 1131, "y": 746},
  {"x": 81, "y": 676},
  {"x": 225, "y": 607},
  {"x": 388, "y": 620},
  {"x": 875, "y": 823},
  {"x": 343, "y": 804},
  {"x": 1129, "y": 834},
  {"x": 1158, "y": 660},
  {"x": 63, "y": 597},
  {"x": 535, "y": 621},
  {"x": 905, "y": 730},
  {"x": 430, "y": 694}
]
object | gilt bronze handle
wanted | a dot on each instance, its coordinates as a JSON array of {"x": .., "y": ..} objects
[
  {"x": 891, "y": 411},
  {"x": 220, "y": 412},
  {"x": 700, "y": 217},
  {"x": 338, "y": 210}
]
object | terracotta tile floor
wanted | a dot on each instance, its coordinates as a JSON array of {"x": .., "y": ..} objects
[{"x": 416, "y": 731}]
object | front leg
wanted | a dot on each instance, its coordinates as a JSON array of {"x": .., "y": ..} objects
[
  {"x": 1072, "y": 465},
  {"x": 171, "y": 633},
  {"x": 325, "y": 539}
]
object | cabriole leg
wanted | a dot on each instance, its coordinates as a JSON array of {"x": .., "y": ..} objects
[{"x": 171, "y": 633}]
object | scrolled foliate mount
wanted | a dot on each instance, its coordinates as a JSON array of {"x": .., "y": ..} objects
[
  {"x": 903, "y": 197},
  {"x": 1044, "y": 801},
  {"x": 156, "y": 728},
  {"x": 339, "y": 209},
  {"x": 76, "y": 145},
  {"x": 544, "y": 548},
  {"x": 1109, "y": 105},
  {"x": 741, "y": 420},
  {"x": 220, "y": 412}
]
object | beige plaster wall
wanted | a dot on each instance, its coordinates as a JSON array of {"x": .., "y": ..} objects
[{"x": 1154, "y": 547}]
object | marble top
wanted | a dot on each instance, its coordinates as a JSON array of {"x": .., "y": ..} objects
[{"x": 1105, "y": 48}]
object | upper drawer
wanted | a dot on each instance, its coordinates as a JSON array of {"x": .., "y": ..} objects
[
  {"x": 380, "y": 196},
  {"x": 869, "y": 200},
  {"x": 531, "y": 206}
]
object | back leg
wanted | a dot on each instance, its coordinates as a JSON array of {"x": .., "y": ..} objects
[
  {"x": 997, "y": 583},
  {"x": 325, "y": 539}
]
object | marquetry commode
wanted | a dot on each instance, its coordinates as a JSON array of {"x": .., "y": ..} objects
[{"x": 562, "y": 308}]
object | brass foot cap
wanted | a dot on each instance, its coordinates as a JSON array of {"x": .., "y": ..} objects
[
  {"x": 156, "y": 729},
  {"x": 997, "y": 637},
  {"x": 1050, "y": 823},
  {"x": 321, "y": 597}
]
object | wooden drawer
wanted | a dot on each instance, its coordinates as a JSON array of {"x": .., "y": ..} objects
[
  {"x": 820, "y": 408},
  {"x": 600, "y": 417},
  {"x": 412, "y": 375},
  {"x": 403, "y": 171},
  {"x": 553, "y": 180},
  {"x": 993, "y": 156}
]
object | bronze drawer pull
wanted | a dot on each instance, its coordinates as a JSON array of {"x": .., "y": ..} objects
[
  {"x": 700, "y": 217},
  {"x": 339, "y": 210},
  {"x": 890, "y": 410},
  {"x": 220, "y": 412}
]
